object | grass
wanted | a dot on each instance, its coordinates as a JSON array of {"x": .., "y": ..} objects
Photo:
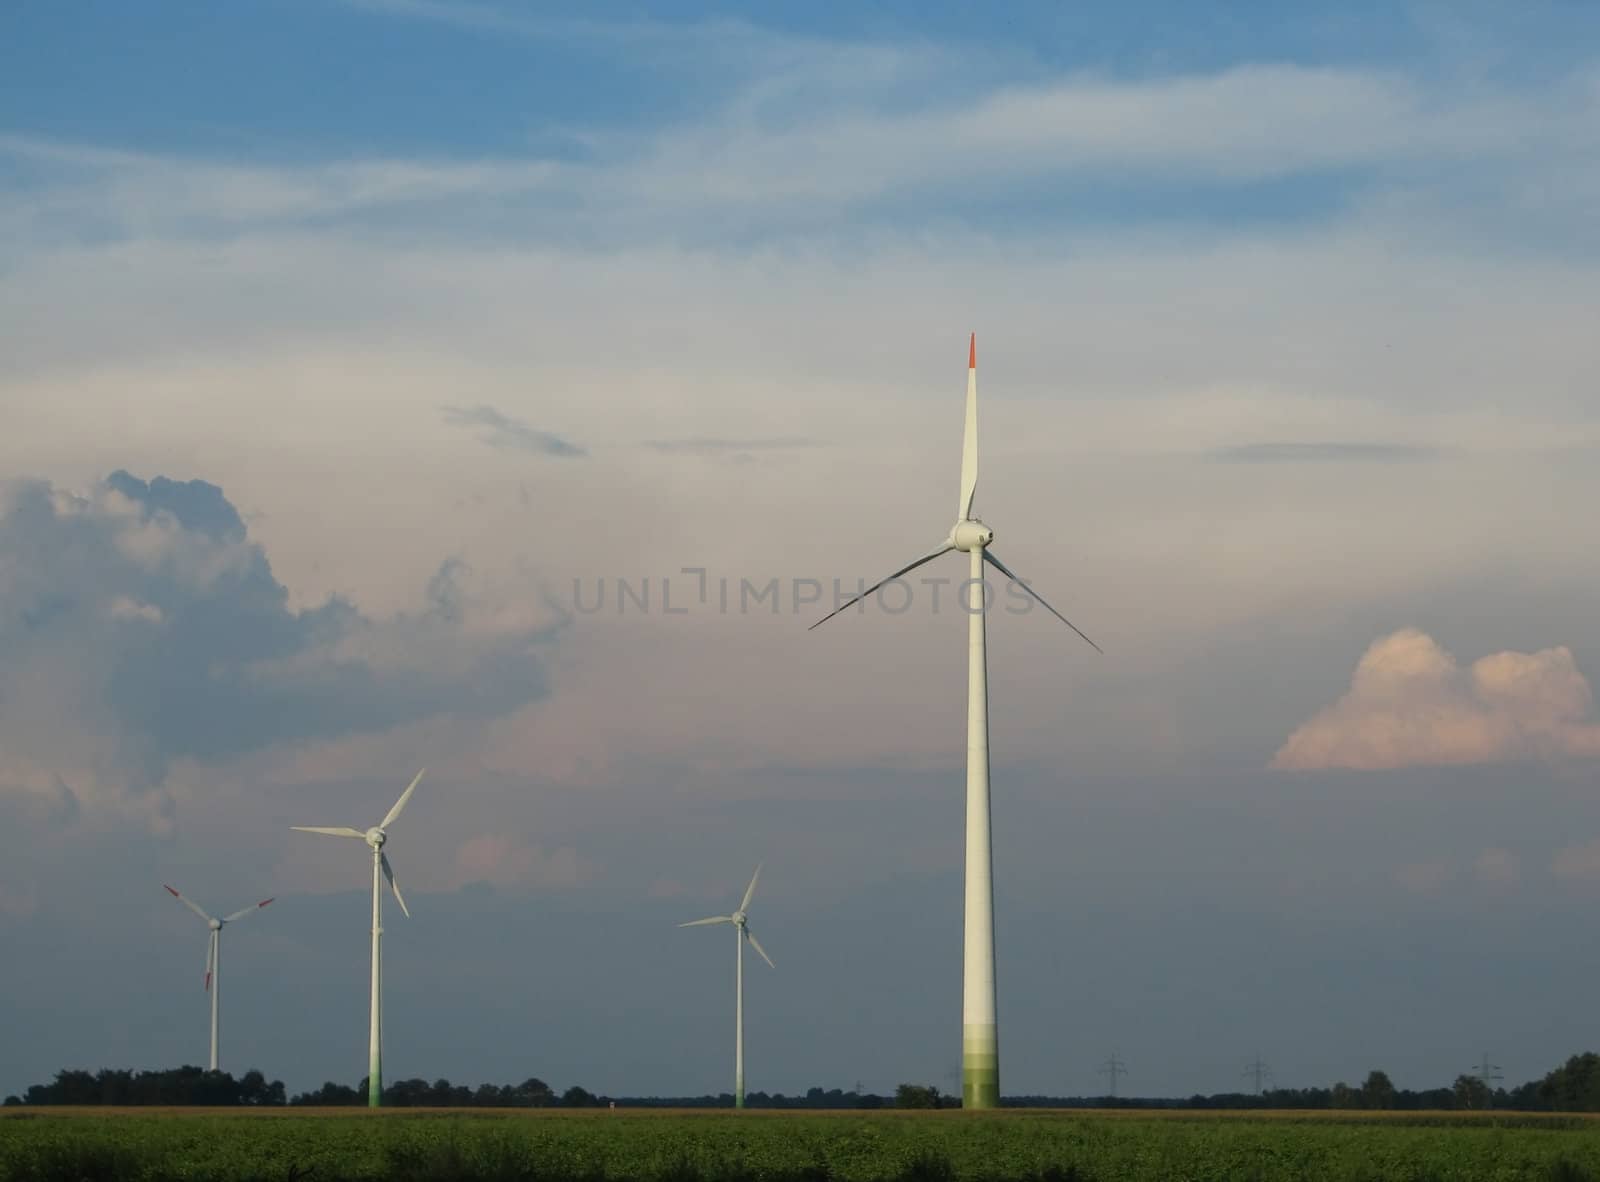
[{"x": 661, "y": 1145}]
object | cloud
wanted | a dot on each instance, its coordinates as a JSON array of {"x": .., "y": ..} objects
[
  {"x": 1497, "y": 868},
  {"x": 501, "y": 430},
  {"x": 139, "y": 624},
  {"x": 504, "y": 860},
  {"x": 734, "y": 450},
  {"x": 828, "y": 128},
  {"x": 1577, "y": 862},
  {"x": 1424, "y": 878},
  {"x": 1410, "y": 704},
  {"x": 1255, "y": 453}
]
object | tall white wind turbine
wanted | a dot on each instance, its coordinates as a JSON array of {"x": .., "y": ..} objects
[
  {"x": 214, "y": 953},
  {"x": 740, "y": 920},
  {"x": 376, "y": 837},
  {"x": 980, "y": 1042}
]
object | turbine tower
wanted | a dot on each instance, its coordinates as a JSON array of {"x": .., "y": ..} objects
[
  {"x": 980, "y": 1043},
  {"x": 741, "y": 926},
  {"x": 214, "y": 953},
  {"x": 375, "y": 837}
]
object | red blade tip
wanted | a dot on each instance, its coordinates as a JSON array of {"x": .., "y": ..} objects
[
  {"x": 972, "y": 352},
  {"x": 264, "y": 902},
  {"x": 172, "y": 892},
  {"x": 208, "y": 982}
]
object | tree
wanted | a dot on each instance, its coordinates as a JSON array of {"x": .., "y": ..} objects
[
  {"x": 576, "y": 1097},
  {"x": 532, "y": 1093},
  {"x": 916, "y": 1096},
  {"x": 1470, "y": 1092},
  {"x": 255, "y": 1090},
  {"x": 328, "y": 1095},
  {"x": 1575, "y": 1085},
  {"x": 1377, "y": 1092}
]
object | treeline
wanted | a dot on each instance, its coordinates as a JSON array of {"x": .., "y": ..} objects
[
  {"x": 441, "y": 1093},
  {"x": 181, "y": 1085},
  {"x": 817, "y": 1098},
  {"x": 198, "y": 1087},
  {"x": 1572, "y": 1087}
]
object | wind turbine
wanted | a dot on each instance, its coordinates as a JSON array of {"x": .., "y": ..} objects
[
  {"x": 980, "y": 1043},
  {"x": 214, "y": 953},
  {"x": 740, "y": 920},
  {"x": 375, "y": 837}
]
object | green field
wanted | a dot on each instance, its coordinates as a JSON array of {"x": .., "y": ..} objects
[{"x": 45, "y": 1145}]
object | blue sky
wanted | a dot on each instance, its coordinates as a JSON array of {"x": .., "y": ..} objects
[{"x": 455, "y": 311}]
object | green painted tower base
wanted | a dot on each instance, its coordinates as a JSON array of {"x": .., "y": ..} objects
[{"x": 980, "y": 1067}]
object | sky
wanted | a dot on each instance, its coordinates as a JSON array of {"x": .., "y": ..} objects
[{"x": 389, "y": 384}]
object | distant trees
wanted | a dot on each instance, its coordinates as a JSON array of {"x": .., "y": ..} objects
[
  {"x": 916, "y": 1096},
  {"x": 1470, "y": 1092},
  {"x": 329, "y": 1095},
  {"x": 1378, "y": 1091},
  {"x": 179, "y": 1086},
  {"x": 1574, "y": 1086},
  {"x": 441, "y": 1093}
]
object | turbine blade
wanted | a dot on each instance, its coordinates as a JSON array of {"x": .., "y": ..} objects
[
  {"x": 694, "y": 923},
  {"x": 756, "y": 944},
  {"x": 388, "y": 872},
  {"x": 1006, "y": 570},
  {"x": 969, "y": 436},
  {"x": 394, "y": 813},
  {"x": 751, "y": 889},
  {"x": 244, "y": 911},
  {"x": 211, "y": 957},
  {"x": 335, "y": 831},
  {"x": 189, "y": 903},
  {"x": 910, "y": 566}
]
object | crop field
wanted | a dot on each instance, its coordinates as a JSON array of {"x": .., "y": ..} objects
[{"x": 680, "y": 1146}]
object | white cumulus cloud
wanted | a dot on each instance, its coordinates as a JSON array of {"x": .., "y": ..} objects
[{"x": 1411, "y": 704}]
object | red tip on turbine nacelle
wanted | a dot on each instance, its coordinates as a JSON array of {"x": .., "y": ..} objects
[
  {"x": 972, "y": 352},
  {"x": 172, "y": 892}
]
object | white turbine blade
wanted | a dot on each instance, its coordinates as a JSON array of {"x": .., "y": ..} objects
[
  {"x": 756, "y": 944},
  {"x": 388, "y": 872},
  {"x": 969, "y": 437},
  {"x": 910, "y": 566},
  {"x": 335, "y": 831},
  {"x": 211, "y": 957},
  {"x": 189, "y": 903},
  {"x": 1005, "y": 570},
  {"x": 244, "y": 911},
  {"x": 694, "y": 923},
  {"x": 751, "y": 889},
  {"x": 394, "y": 813}
]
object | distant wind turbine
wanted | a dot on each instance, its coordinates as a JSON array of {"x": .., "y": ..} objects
[
  {"x": 741, "y": 925},
  {"x": 214, "y": 953},
  {"x": 376, "y": 837},
  {"x": 980, "y": 1042}
]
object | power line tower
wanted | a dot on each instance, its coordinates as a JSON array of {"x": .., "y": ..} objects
[
  {"x": 1113, "y": 1069},
  {"x": 1259, "y": 1072},
  {"x": 1489, "y": 1073}
]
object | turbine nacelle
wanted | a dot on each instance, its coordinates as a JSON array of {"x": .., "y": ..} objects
[
  {"x": 376, "y": 837},
  {"x": 739, "y": 919},
  {"x": 214, "y": 924},
  {"x": 970, "y": 534}
]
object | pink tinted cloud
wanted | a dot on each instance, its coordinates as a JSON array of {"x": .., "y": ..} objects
[
  {"x": 509, "y": 861},
  {"x": 1411, "y": 704}
]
